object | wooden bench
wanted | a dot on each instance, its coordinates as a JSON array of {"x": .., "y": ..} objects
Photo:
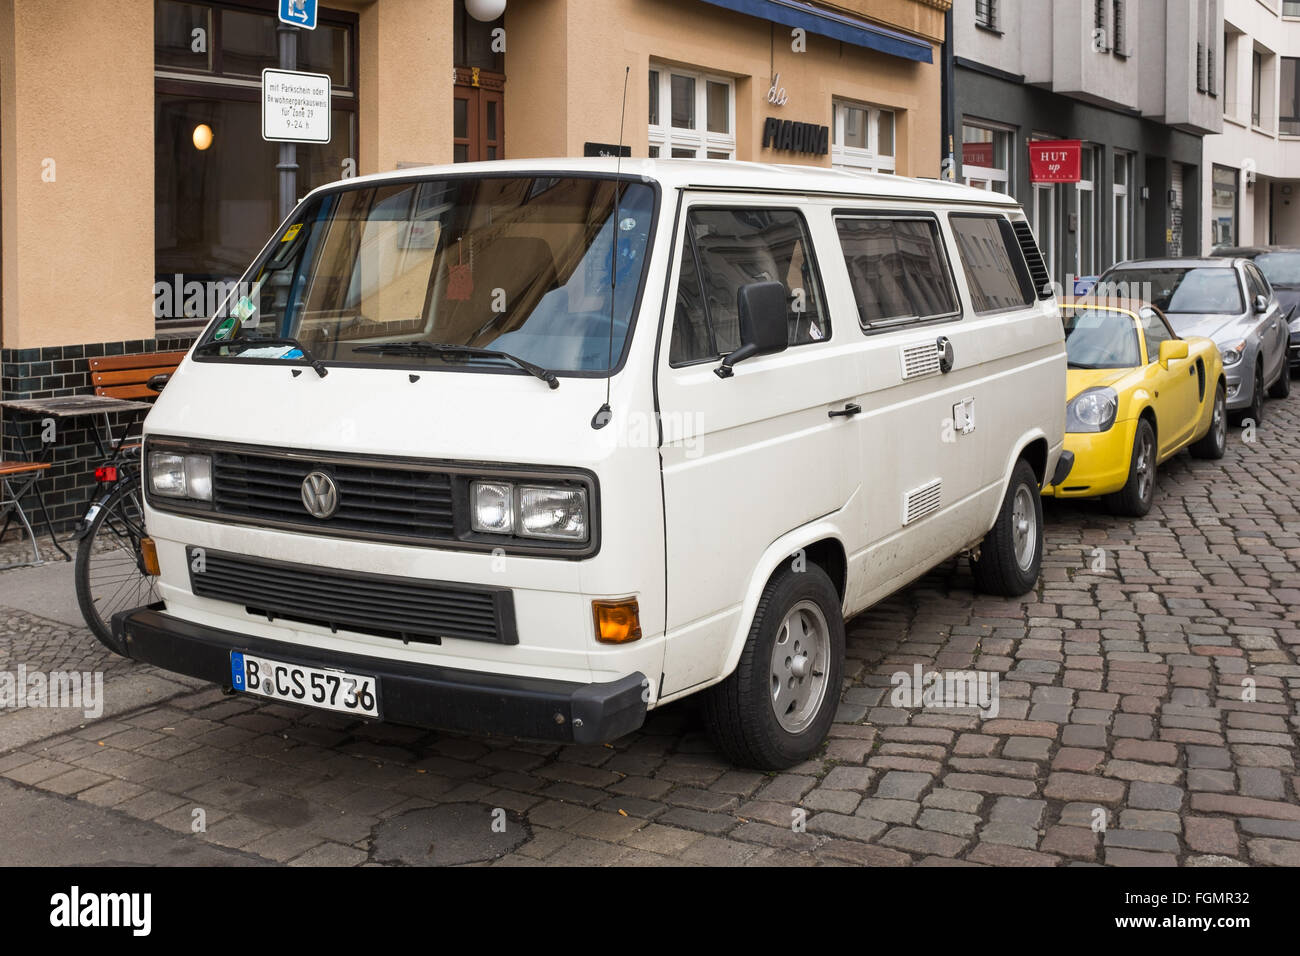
[{"x": 127, "y": 376}]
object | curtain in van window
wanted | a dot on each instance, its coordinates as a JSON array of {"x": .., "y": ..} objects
[{"x": 896, "y": 269}]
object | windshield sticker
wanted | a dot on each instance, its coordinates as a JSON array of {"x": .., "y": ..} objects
[
  {"x": 273, "y": 352},
  {"x": 291, "y": 233},
  {"x": 245, "y": 309},
  {"x": 224, "y": 329}
]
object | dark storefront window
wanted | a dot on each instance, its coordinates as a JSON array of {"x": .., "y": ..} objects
[
  {"x": 216, "y": 186},
  {"x": 1223, "y": 225}
]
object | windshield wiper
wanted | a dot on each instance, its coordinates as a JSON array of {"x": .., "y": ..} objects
[
  {"x": 254, "y": 341},
  {"x": 443, "y": 351}
]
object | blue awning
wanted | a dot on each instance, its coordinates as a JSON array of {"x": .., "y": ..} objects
[{"x": 839, "y": 26}]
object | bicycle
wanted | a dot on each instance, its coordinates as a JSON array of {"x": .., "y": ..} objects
[{"x": 116, "y": 567}]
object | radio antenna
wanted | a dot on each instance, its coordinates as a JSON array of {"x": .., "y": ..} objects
[{"x": 605, "y": 413}]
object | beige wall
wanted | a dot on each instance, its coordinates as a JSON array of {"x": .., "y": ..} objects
[
  {"x": 565, "y": 61},
  {"x": 77, "y": 252}
]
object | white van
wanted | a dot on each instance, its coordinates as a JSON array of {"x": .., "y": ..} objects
[{"x": 534, "y": 447}]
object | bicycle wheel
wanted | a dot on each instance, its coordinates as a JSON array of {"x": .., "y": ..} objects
[{"x": 110, "y": 569}]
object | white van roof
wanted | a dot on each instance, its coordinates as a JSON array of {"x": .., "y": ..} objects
[{"x": 725, "y": 175}]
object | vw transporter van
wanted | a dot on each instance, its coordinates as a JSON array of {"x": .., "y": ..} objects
[{"x": 535, "y": 447}]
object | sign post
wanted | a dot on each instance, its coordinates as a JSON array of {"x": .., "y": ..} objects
[{"x": 1054, "y": 160}]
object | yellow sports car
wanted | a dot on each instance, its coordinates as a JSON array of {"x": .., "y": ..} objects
[{"x": 1136, "y": 395}]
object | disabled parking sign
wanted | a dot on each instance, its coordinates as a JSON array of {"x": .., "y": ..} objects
[{"x": 299, "y": 13}]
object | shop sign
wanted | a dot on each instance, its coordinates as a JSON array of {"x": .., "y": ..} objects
[
  {"x": 977, "y": 154},
  {"x": 605, "y": 149},
  {"x": 776, "y": 94},
  {"x": 796, "y": 137},
  {"x": 1054, "y": 160},
  {"x": 295, "y": 107}
]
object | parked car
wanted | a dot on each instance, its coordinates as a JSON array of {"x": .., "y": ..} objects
[
  {"x": 1137, "y": 395},
  {"x": 1281, "y": 268},
  {"x": 534, "y": 447},
  {"x": 1227, "y": 300}
]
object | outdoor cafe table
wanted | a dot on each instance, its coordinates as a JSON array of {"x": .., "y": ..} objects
[{"x": 68, "y": 408}]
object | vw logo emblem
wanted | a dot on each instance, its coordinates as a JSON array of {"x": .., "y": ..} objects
[{"x": 320, "y": 496}]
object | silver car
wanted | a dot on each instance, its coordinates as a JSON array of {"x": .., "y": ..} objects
[{"x": 1224, "y": 299}]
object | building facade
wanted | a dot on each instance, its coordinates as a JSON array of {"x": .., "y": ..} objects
[
  {"x": 1252, "y": 193},
  {"x": 1139, "y": 83},
  {"x": 134, "y": 187}
]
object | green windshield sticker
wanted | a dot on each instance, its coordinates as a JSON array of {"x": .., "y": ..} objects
[{"x": 224, "y": 330}]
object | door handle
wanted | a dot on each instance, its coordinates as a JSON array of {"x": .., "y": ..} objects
[{"x": 848, "y": 411}]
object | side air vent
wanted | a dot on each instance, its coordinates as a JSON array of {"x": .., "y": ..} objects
[
  {"x": 919, "y": 360},
  {"x": 1033, "y": 258},
  {"x": 922, "y": 501}
]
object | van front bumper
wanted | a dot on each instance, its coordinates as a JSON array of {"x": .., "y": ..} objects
[{"x": 420, "y": 695}]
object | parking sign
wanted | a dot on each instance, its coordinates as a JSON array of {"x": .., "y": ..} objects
[{"x": 300, "y": 13}]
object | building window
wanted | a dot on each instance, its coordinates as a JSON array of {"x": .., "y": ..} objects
[
  {"x": 1121, "y": 197},
  {"x": 1085, "y": 263},
  {"x": 1230, "y": 105},
  {"x": 1289, "y": 98},
  {"x": 986, "y": 157},
  {"x": 986, "y": 14},
  {"x": 692, "y": 115},
  {"x": 1256, "y": 84},
  {"x": 1099, "y": 36},
  {"x": 215, "y": 181},
  {"x": 862, "y": 137},
  {"x": 1291, "y": 8},
  {"x": 1119, "y": 28},
  {"x": 1223, "y": 207}
]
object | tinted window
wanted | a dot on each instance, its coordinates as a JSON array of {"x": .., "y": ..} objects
[
  {"x": 1100, "y": 338},
  {"x": 1281, "y": 268},
  {"x": 896, "y": 269},
  {"x": 991, "y": 259},
  {"x": 1175, "y": 290},
  {"x": 728, "y": 248}
]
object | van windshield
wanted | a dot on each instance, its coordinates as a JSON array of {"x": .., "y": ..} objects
[{"x": 546, "y": 269}]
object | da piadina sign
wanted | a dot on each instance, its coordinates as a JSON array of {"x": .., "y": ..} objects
[
  {"x": 1054, "y": 160},
  {"x": 796, "y": 137}
]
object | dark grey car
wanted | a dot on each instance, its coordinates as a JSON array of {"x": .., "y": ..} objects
[
  {"x": 1281, "y": 267},
  {"x": 1224, "y": 299}
]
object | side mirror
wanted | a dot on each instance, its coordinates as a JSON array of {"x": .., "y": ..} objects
[
  {"x": 761, "y": 308},
  {"x": 1171, "y": 349},
  {"x": 1261, "y": 303}
]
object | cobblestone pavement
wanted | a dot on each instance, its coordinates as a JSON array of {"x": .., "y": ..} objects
[{"x": 1150, "y": 684}]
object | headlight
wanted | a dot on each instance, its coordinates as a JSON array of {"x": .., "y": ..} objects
[
  {"x": 180, "y": 476},
  {"x": 1092, "y": 410},
  {"x": 1231, "y": 354},
  {"x": 554, "y": 512},
  {"x": 493, "y": 507}
]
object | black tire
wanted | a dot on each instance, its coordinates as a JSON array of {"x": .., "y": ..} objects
[
  {"x": 741, "y": 713},
  {"x": 1139, "y": 492},
  {"x": 109, "y": 570},
  {"x": 1282, "y": 387},
  {"x": 1000, "y": 568},
  {"x": 1214, "y": 442}
]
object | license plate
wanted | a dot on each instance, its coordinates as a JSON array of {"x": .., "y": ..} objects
[{"x": 297, "y": 683}]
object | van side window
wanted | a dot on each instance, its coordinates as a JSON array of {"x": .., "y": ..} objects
[
  {"x": 994, "y": 266},
  {"x": 897, "y": 270},
  {"x": 731, "y": 247}
]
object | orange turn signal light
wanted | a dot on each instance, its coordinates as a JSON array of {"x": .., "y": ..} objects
[
  {"x": 617, "y": 622},
  {"x": 149, "y": 556}
]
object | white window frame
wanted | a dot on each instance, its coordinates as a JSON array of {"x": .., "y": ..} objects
[
  {"x": 991, "y": 174},
  {"x": 1121, "y": 198},
  {"x": 666, "y": 137},
  {"x": 855, "y": 157},
  {"x": 1081, "y": 187},
  {"x": 1044, "y": 215}
]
